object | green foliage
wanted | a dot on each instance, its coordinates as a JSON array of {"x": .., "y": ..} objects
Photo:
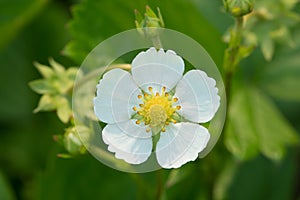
[
  {"x": 56, "y": 88},
  {"x": 280, "y": 78},
  {"x": 255, "y": 125},
  {"x": 271, "y": 22},
  {"x": 14, "y": 16},
  {"x": 93, "y": 22}
]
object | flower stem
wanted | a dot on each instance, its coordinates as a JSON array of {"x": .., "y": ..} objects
[{"x": 232, "y": 57}]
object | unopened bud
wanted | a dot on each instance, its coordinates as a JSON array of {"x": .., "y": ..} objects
[{"x": 238, "y": 8}]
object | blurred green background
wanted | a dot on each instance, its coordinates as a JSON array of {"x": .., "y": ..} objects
[{"x": 257, "y": 158}]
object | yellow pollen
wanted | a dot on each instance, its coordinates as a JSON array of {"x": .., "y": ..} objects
[{"x": 157, "y": 109}]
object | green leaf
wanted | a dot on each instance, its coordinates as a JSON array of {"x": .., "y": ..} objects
[
  {"x": 42, "y": 86},
  {"x": 280, "y": 78},
  {"x": 15, "y": 15},
  {"x": 46, "y": 103},
  {"x": 255, "y": 125},
  {"x": 274, "y": 131},
  {"x": 240, "y": 136}
]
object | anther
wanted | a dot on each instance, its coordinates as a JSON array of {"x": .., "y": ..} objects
[
  {"x": 148, "y": 130},
  {"x": 134, "y": 108},
  {"x": 166, "y": 94},
  {"x": 139, "y": 96},
  {"x": 150, "y": 89},
  {"x": 178, "y": 107},
  {"x": 175, "y": 99},
  {"x": 141, "y": 105},
  {"x": 163, "y": 89},
  {"x": 174, "y": 121},
  {"x": 167, "y": 123},
  {"x": 137, "y": 122},
  {"x": 163, "y": 129},
  {"x": 157, "y": 94}
]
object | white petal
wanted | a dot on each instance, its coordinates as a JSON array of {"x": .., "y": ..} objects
[
  {"x": 116, "y": 95},
  {"x": 128, "y": 141},
  {"x": 157, "y": 69},
  {"x": 180, "y": 144},
  {"x": 198, "y": 96}
]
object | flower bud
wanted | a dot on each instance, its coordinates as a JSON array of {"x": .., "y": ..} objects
[
  {"x": 238, "y": 8},
  {"x": 150, "y": 20}
]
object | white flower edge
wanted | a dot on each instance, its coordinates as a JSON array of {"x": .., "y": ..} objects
[
  {"x": 198, "y": 96},
  {"x": 123, "y": 141},
  {"x": 116, "y": 95},
  {"x": 166, "y": 66},
  {"x": 181, "y": 143}
]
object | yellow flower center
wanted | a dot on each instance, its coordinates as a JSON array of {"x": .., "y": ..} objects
[{"x": 157, "y": 109}]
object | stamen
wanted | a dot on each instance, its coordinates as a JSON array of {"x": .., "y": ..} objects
[
  {"x": 146, "y": 95},
  {"x": 178, "y": 107},
  {"x": 140, "y": 96},
  {"x": 174, "y": 121},
  {"x": 175, "y": 99},
  {"x": 134, "y": 108},
  {"x": 163, "y": 129},
  {"x": 148, "y": 130},
  {"x": 150, "y": 89},
  {"x": 141, "y": 105},
  {"x": 166, "y": 94},
  {"x": 137, "y": 122},
  {"x": 163, "y": 89},
  {"x": 157, "y": 94},
  {"x": 167, "y": 123}
]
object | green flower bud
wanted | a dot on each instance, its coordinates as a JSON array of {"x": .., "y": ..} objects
[
  {"x": 150, "y": 19},
  {"x": 238, "y": 8}
]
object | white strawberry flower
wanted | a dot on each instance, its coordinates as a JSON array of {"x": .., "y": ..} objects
[{"x": 156, "y": 98}]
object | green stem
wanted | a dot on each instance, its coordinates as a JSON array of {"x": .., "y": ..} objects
[{"x": 232, "y": 57}]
